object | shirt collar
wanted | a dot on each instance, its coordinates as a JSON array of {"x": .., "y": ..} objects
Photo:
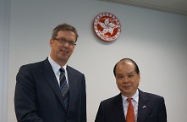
[
  {"x": 135, "y": 96},
  {"x": 55, "y": 66}
]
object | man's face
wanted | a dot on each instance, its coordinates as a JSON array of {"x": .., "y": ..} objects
[
  {"x": 61, "y": 51},
  {"x": 127, "y": 79}
]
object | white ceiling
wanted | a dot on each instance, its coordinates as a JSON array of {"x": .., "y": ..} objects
[{"x": 172, "y": 6}]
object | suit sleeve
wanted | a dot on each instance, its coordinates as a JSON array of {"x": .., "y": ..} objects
[
  {"x": 100, "y": 114},
  {"x": 83, "y": 103},
  {"x": 162, "y": 114},
  {"x": 25, "y": 97}
]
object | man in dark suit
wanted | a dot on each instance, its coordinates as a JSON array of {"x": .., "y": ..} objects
[
  {"x": 147, "y": 107},
  {"x": 38, "y": 96}
]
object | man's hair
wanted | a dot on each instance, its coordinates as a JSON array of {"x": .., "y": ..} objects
[
  {"x": 123, "y": 60},
  {"x": 64, "y": 27}
]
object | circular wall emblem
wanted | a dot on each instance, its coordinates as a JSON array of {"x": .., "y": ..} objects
[{"x": 107, "y": 26}]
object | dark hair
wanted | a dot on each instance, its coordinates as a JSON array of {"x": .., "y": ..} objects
[
  {"x": 126, "y": 59},
  {"x": 64, "y": 27}
]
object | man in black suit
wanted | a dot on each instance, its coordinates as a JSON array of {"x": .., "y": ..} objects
[
  {"x": 147, "y": 107},
  {"x": 38, "y": 97}
]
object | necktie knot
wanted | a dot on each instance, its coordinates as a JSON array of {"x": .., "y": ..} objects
[
  {"x": 61, "y": 70},
  {"x": 129, "y": 99}
]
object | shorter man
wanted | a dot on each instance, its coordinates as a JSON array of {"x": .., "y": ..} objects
[{"x": 145, "y": 107}]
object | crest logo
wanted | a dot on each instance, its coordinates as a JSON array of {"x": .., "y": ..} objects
[{"x": 107, "y": 26}]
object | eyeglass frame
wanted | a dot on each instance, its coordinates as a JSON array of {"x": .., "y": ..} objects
[{"x": 63, "y": 41}]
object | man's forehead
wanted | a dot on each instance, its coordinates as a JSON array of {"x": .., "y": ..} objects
[{"x": 125, "y": 63}]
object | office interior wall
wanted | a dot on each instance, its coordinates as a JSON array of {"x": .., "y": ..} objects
[
  {"x": 4, "y": 44},
  {"x": 155, "y": 40}
]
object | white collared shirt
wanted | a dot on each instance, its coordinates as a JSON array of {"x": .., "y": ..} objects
[
  {"x": 134, "y": 102},
  {"x": 56, "y": 68}
]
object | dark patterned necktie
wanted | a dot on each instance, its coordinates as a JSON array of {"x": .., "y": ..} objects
[
  {"x": 130, "y": 111},
  {"x": 64, "y": 87}
]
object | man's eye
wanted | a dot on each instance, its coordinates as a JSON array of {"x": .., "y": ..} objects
[
  {"x": 120, "y": 76},
  {"x": 130, "y": 76},
  {"x": 63, "y": 40},
  {"x": 71, "y": 42}
]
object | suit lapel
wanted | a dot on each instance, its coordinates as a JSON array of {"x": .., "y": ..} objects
[
  {"x": 71, "y": 81},
  {"x": 50, "y": 77},
  {"x": 118, "y": 109},
  {"x": 142, "y": 107}
]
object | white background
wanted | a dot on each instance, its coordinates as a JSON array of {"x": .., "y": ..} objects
[{"x": 156, "y": 40}]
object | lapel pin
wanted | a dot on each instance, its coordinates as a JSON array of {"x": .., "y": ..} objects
[{"x": 144, "y": 107}]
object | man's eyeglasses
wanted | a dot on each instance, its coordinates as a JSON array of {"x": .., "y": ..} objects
[{"x": 63, "y": 41}]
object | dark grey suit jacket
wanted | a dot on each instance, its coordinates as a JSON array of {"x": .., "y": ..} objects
[
  {"x": 38, "y": 97},
  {"x": 151, "y": 108}
]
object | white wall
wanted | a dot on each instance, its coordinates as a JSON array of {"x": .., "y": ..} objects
[
  {"x": 155, "y": 40},
  {"x": 4, "y": 41}
]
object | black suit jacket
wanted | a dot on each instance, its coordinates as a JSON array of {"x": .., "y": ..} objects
[
  {"x": 38, "y": 97},
  {"x": 151, "y": 108}
]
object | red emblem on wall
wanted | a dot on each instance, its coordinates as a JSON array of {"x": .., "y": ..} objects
[{"x": 107, "y": 26}]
